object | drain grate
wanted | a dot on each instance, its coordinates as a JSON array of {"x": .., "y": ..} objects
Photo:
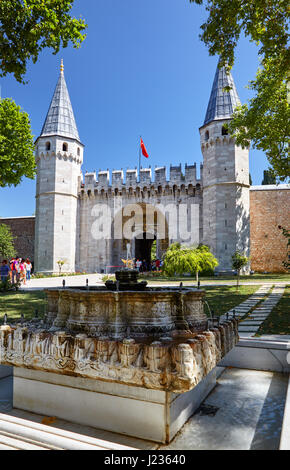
[{"x": 207, "y": 410}]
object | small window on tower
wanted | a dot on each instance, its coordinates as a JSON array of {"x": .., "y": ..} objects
[
  {"x": 224, "y": 131},
  {"x": 47, "y": 146},
  {"x": 79, "y": 151},
  {"x": 206, "y": 135},
  {"x": 64, "y": 147}
]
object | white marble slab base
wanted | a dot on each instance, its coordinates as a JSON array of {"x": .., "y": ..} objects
[{"x": 148, "y": 414}]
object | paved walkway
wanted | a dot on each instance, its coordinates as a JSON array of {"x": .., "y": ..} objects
[
  {"x": 6, "y": 393},
  {"x": 244, "y": 412},
  {"x": 70, "y": 281},
  {"x": 96, "y": 280},
  {"x": 256, "y": 318},
  {"x": 252, "y": 322}
]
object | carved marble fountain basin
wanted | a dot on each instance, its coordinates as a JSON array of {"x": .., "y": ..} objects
[
  {"x": 156, "y": 338},
  {"x": 149, "y": 340},
  {"x": 153, "y": 312}
]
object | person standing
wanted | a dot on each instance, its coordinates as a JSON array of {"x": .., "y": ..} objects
[
  {"x": 138, "y": 265},
  {"x": 14, "y": 270},
  {"x": 4, "y": 271},
  {"x": 28, "y": 267},
  {"x": 22, "y": 271}
]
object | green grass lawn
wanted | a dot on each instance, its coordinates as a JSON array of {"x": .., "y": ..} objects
[
  {"x": 261, "y": 278},
  {"x": 15, "y": 303},
  {"x": 223, "y": 298},
  {"x": 278, "y": 322},
  {"x": 220, "y": 299}
]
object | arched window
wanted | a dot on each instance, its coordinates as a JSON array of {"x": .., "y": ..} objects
[
  {"x": 206, "y": 135},
  {"x": 64, "y": 147},
  {"x": 79, "y": 152},
  {"x": 224, "y": 131},
  {"x": 47, "y": 146}
]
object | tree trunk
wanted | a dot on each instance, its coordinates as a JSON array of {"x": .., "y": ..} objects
[{"x": 238, "y": 279}]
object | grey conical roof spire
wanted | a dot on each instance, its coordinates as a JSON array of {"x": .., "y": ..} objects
[
  {"x": 222, "y": 103},
  {"x": 60, "y": 118}
]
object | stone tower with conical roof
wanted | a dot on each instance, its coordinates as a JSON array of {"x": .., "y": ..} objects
[
  {"x": 225, "y": 176},
  {"x": 59, "y": 156}
]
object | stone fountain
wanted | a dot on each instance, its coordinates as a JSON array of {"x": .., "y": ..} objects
[{"x": 124, "y": 357}]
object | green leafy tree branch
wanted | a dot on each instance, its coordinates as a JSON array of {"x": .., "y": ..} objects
[
  {"x": 238, "y": 262},
  {"x": 16, "y": 144},
  {"x": 6, "y": 242},
  {"x": 29, "y": 26},
  {"x": 181, "y": 259},
  {"x": 265, "y": 121}
]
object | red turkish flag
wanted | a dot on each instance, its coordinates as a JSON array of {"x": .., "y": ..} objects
[{"x": 143, "y": 148}]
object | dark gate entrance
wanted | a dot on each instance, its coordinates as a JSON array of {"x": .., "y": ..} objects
[{"x": 143, "y": 248}]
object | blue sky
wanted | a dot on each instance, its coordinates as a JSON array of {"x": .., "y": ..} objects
[{"x": 142, "y": 70}]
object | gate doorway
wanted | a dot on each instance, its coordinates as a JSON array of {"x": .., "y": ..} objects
[{"x": 143, "y": 248}]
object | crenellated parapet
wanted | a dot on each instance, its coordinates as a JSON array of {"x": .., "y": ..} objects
[{"x": 155, "y": 182}]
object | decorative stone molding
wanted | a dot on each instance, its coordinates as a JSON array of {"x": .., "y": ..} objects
[{"x": 174, "y": 364}]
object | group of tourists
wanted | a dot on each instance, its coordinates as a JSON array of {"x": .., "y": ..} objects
[
  {"x": 16, "y": 270},
  {"x": 145, "y": 266}
]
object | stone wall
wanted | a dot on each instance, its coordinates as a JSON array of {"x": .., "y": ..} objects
[
  {"x": 98, "y": 255},
  {"x": 23, "y": 230},
  {"x": 269, "y": 208}
]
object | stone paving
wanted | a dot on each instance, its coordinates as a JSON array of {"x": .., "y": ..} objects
[
  {"x": 70, "y": 281},
  {"x": 256, "y": 318},
  {"x": 6, "y": 390},
  {"x": 96, "y": 279},
  {"x": 251, "y": 323},
  {"x": 244, "y": 412}
]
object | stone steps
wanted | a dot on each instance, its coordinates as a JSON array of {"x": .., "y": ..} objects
[{"x": 21, "y": 434}]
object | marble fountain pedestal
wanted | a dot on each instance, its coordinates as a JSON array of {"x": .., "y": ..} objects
[{"x": 128, "y": 361}]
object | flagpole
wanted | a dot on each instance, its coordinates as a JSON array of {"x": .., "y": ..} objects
[{"x": 139, "y": 157}]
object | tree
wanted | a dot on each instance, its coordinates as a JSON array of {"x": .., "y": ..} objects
[
  {"x": 6, "y": 242},
  {"x": 266, "y": 120},
  {"x": 182, "y": 259},
  {"x": 29, "y": 26},
  {"x": 238, "y": 262},
  {"x": 16, "y": 144},
  {"x": 26, "y": 28},
  {"x": 269, "y": 178},
  {"x": 60, "y": 263}
]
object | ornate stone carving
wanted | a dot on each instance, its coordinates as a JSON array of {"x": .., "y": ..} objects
[
  {"x": 170, "y": 364},
  {"x": 155, "y": 338},
  {"x": 156, "y": 356}
]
